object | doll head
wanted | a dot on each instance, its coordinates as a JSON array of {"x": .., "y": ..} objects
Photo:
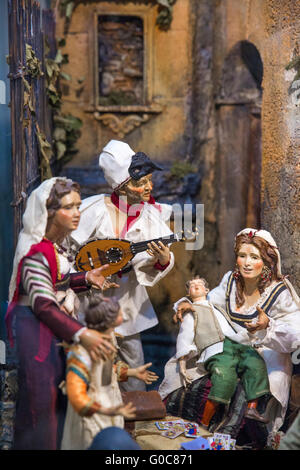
[
  {"x": 137, "y": 190},
  {"x": 197, "y": 287},
  {"x": 103, "y": 313},
  {"x": 128, "y": 173},
  {"x": 61, "y": 188},
  {"x": 264, "y": 249},
  {"x": 262, "y": 264}
]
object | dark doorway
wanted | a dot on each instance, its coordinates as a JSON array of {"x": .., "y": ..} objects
[{"x": 239, "y": 133}]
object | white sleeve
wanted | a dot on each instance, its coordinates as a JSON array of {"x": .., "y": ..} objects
[
  {"x": 92, "y": 213},
  {"x": 185, "y": 339},
  {"x": 217, "y": 295},
  {"x": 283, "y": 332},
  {"x": 145, "y": 272},
  {"x": 183, "y": 299}
]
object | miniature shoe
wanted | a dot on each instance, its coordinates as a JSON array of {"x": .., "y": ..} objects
[
  {"x": 252, "y": 413},
  {"x": 204, "y": 426}
]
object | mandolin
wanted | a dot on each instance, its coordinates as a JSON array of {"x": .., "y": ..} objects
[{"x": 115, "y": 252}]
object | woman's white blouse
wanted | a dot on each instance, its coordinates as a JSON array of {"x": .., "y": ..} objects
[{"x": 283, "y": 332}]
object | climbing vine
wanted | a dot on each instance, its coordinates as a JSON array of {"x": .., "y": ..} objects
[
  {"x": 295, "y": 64},
  {"x": 66, "y": 127}
]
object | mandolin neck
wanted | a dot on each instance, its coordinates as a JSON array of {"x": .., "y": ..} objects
[{"x": 142, "y": 246}]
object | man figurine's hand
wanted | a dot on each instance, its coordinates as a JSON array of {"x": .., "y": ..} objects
[
  {"x": 159, "y": 252},
  {"x": 183, "y": 308},
  {"x": 143, "y": 374}
]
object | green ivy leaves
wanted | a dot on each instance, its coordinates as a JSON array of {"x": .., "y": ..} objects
[{"x": 66, "y": 127}]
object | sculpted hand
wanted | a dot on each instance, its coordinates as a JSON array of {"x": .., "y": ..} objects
[
  {"x": 186, "y": 378},
  {"x": 261, "y": 324},
  {"x": 183, "y": 307},
  {"x": 142, "y": 374},
  {"x": 128, "y": 411},
  {"x": 95, "y": 277},
  {"x": 98, "y": 344},
  {"x": 159, "y": 252}
]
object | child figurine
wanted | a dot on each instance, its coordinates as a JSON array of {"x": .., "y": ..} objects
[
  {"x": 208, "y": 335},
  {"x": 94, "y": 397}
]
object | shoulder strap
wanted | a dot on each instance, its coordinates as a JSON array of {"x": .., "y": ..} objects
[{"x": 225, "y": 314}]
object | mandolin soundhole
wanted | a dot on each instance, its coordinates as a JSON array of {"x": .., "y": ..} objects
[{"x": 114, "y": 255}]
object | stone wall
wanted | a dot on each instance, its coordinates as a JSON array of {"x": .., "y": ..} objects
[
  {"x": 165, "y": 134},
  {"x": 243, "y": 138},
  {"x": 281, "y": 138},
  {"x": 274, "y": 28}
]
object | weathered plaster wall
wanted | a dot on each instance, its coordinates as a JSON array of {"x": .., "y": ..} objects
[
  {"x": 281, "y": 134},
  {"x": 274, "y": 28},
  {"x": 189, "y": 63}
]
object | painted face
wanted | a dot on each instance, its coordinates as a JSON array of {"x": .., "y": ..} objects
[
  {"x": 68, "y": 216},
  {"x": 249, "y": 261},
  {"x": 197, "y": 289},
  {"x": 140, "y": 190}
]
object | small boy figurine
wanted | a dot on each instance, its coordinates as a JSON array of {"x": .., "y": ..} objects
[{"x": 207, "y": 332}]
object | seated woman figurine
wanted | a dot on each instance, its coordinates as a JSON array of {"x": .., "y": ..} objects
[
  {"x": 37, "y": 310},
  {"x": 265, "y": 311},
  {"x": 95, "y": 400},
  {"x": 207, "y": 332}
]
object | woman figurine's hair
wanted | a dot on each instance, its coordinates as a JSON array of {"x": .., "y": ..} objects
[
  {"x": 61, "y": 188},
  {"x": 101, "y": 312},
  {"x": 269, "y": 258}
]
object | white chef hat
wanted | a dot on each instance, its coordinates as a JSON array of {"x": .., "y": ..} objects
[
  {"x": 114, "y": 160},
  {"x": 268, "y": 238},
  {"x": 120, "y": 163}
]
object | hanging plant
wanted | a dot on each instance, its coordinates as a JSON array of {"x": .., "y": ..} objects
[{"x": 33, "y": 69}]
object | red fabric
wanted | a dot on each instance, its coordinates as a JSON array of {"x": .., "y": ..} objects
[
  {"x": 52, "y": 320},
  {"x": 78, "y": 282},
  {"x": 45, "y": 247},
  {"x": 132, "y": 211},
  {"x": 161, "y": 267}
]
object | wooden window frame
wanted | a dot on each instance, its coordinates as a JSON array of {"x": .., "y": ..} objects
[{"x": 147, "y": 14}]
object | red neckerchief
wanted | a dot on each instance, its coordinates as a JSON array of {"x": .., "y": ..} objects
[{"x": 133, "y": 211}]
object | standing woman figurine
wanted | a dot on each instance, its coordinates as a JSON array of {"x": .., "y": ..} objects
[{"x": 40, "y": 274}]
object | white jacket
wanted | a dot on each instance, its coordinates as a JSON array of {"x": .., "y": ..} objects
[{"x": 95, "y": 221}]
